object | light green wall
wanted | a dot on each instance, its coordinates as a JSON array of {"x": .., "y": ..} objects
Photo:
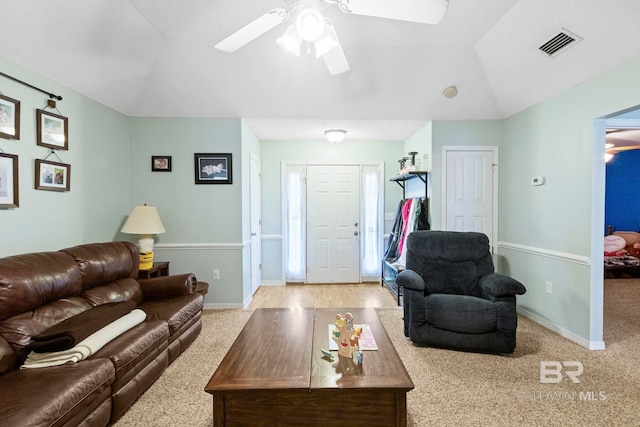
[
  {"x": 421, "y": 141},
  {"x": 204, "y": 222},
  {"x": 99, "y": 175},
  {"x": 273, "y": 153},
  {"x": 552, "y": 232},
  {"x": 559, "y": 225}
]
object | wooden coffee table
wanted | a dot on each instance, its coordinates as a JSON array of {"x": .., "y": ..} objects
[{"x": 275, "y": 374}]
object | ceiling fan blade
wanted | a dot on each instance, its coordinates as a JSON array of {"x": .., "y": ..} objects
[
  {"x": 420, "y": 11},
  {"x": 618, "y": 149},
  {"x": 252, "y": 31},
  {"x": 335, "y": 58}
]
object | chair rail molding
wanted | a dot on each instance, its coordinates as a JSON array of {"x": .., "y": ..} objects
[{"x": 561, "y": 256}]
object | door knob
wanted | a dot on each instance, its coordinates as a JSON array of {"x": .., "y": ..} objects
[
  {"x": 355, "y": 233},
  {"x": 254, "y": 234},
  {"x": 355, "y": 225}
]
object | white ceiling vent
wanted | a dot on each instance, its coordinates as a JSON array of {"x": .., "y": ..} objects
[{"x": 559, "y": 42}]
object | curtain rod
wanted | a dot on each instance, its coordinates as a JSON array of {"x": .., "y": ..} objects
[{"x": 51, "y": 95}]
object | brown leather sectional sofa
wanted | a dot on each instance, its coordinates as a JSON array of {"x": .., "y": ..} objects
[{"x": 40, "y": 290}]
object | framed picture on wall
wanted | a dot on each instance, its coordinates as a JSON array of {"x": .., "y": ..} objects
[
  {"x": 161, "y": 163},
  {"x": 8, "y": 181},
  {"x": 52, "y": 130},
  {"x": 213, "y": 168},
  {"x": 9, "y": 117},
  {"x": 52, "y": 176}
]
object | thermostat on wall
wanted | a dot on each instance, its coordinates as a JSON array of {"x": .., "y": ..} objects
[{"x": 537, "y": 180}]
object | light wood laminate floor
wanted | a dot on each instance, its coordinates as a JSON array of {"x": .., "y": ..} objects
[{"x": 320, "y": 296}]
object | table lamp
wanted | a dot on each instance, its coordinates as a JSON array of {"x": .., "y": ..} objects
[{"x": 145, "y": 221}]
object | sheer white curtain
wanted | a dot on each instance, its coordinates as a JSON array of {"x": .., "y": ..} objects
[
  {"x": 371, "y": 222},
  {"x": 294, "y": 223}
]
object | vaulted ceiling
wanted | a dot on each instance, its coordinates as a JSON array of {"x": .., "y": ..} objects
[{"x": 157, "y": 58}]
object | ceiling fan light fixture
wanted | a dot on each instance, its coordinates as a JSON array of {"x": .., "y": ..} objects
[
  {"x": 326, "y": 42},
  {"x": 335, "y": 135},
  {"x": 290, "y": 41},
  {"x": 310, "y": 24}
]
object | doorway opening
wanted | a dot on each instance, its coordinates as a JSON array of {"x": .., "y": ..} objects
[
  {"x": 621, "y": 228},
  {"x": 332, "y": 222}
]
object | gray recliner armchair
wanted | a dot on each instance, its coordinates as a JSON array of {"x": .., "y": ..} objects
[{"x": 452, "y": 296}]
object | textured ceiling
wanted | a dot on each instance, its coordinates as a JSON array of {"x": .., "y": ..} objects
[{"x": 156, "y": 58}]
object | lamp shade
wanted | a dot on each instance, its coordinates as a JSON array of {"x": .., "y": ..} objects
[{"x": 143, "y": 220}]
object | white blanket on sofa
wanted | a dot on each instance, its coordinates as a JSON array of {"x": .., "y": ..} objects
[{"x": 89, "y": 345}]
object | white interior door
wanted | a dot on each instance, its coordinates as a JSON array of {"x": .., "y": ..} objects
[
  {"x": 333, "y": 215},
  {"x": 256, "y": 233},
  {"x": 470, "y": 190}
]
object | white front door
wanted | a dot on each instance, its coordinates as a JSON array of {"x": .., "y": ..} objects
[
  {"x": 333, "y": 215},
  {"x": 470, "y": 190},
  {"x": 256, "y": 234}
]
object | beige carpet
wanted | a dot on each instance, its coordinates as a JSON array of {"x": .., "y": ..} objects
[{"x": 451, "y": 388}]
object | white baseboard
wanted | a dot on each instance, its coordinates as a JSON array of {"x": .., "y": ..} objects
[
  {"x": 271, "y": 283},
  {"x": 591, "y": 345},
  {"x": 218, "y": 306}
]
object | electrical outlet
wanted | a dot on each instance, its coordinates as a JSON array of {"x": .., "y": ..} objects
[
  {"x": 549, "y": 287},
  {"x": 216, "y": 274}
]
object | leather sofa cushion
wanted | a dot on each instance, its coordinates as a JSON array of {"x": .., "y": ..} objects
[
  {"x": 19, "y": 329},
  {"x": 30, "y": 280},
  {"x": 125, "y": 289},
  {"x": 176, "y": 311},
  {"x": 69, "y": 332},
  {"x": 101, "y": 263},
  {"x": 133, "y": 346},
  {"x": 460, "y": 313},
  {"x": 54, "y": 394},
  {"x": 7, "y": 356}
]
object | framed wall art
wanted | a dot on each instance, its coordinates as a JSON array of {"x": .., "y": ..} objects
[
  {"x": 213, "y": 168},
  {"x": 52, "y": 130},
  {"x": 8, "y": 181},
  {"x": 52, "y": 176},
  {"x": 161, "y": 163},
  {"x": 9, "y": 118}
]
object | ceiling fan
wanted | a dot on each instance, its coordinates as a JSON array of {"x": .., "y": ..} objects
[
  {"x": 314, "y": 29},
  {"x": 619, "y": 140}
]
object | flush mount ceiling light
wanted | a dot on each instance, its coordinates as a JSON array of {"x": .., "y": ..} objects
[
  {"x": 312, "y": 27},
  {"x": 335, "y": 135}
]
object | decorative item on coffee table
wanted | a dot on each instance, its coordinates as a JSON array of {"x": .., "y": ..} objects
[{"x": 346, "y": 336}]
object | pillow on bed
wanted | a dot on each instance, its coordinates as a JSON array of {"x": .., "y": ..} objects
[
  {"x": 631, "y": 237},
  {"x": 613, "y": 243}
]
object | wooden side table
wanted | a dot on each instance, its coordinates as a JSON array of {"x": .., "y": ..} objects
[{"x": 158, "y": 269}]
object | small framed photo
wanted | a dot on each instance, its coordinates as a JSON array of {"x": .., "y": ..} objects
[
  {"x": 52, "y": 176},
  {"x": 9, "y": 117},
  {"x": 53, "y": 130},
  {"x": 213, "y": 168},
  {"x": 161, "y": 163},
  {"x": 8, "y": 181}
]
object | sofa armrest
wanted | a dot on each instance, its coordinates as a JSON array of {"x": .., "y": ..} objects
[
  {"x": 499, "y": 285},
  {"x": 168, "y": 286},
  {"x": 409, "y": 279}
]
